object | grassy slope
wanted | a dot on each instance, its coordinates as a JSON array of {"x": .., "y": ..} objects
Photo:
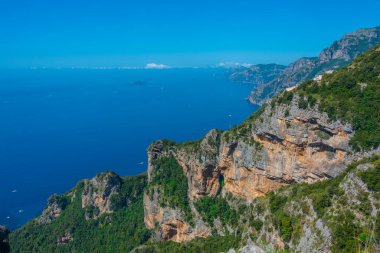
[{"x": 118, "y": 232}]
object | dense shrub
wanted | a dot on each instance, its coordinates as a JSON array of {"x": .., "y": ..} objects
[
  {"x": 372, "y": 177},
  {"x": 118, "y": 232},
  {"x": 205, "y": 245},
  {"x": 169, "y": 177},
  {"x": 218, "y": 207}
]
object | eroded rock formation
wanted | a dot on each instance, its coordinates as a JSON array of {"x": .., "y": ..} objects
[
  {"x": 282, "y": 145},
  {"x": 98, "y": 193}
]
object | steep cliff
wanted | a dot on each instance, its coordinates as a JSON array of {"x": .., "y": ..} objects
[
  {"x": 334, "y": 215},
  {"x": 340, "y": 53},
  {"x": 267, "y": 152},
  {"x": 306, "y": 135}
]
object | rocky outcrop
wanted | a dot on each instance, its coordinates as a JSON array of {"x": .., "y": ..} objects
[
  {"x": 64, "y": 239},
  {"x": 281, "y": 145},
  {"x": 56, "y": 204},
  {"x": 340, "y": 53},
  {"x": 4, "y": 240},
  {"x": 96, "y": 198},
  {"x": 98, "y": 192},
  {"x": 347, "y": 48},
  {"x": 249, "y": 248},
  {"x": 170, "y": 222},
  {"x": 102, "y": 214}
]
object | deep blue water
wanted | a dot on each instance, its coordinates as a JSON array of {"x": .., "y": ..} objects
[{"x": 60, "y": 126}]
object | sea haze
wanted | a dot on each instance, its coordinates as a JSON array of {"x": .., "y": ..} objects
[{"x": 60, "y": 126}]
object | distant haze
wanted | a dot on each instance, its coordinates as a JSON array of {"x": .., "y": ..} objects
[{"x": 121, "y": 33}]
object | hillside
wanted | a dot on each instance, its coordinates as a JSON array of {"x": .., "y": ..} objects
[
  {"x": 104, "y": 214},
  {"x": 339, "y": 54},
  {"x": 304, "y": 136},
  {"x": 257, "y": 74},
  {"x": 301, "y": 175},
  {"x": 301, "y": 217}
]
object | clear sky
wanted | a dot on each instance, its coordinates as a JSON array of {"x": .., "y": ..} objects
[{"x": 117, "y": 33}]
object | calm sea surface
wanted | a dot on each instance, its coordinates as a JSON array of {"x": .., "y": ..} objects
[{"x": 60, "y": 126}]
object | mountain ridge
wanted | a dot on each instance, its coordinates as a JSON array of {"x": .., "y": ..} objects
[{"x": 337, "y": 55}]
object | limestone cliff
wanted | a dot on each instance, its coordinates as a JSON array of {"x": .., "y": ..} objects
[
  {"x": 98, "y": 193},
  {"x": 262, "y": 155},
  {"x": 306, "y": 135}
]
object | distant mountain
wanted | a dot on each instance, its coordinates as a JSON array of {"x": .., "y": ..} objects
[
  {"x": 339, "y": 54},
  {"x": 257, "y": 74}
]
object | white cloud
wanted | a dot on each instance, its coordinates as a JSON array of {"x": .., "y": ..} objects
[
  {"x": 156, "y": 66},
  {"x": 233, "y": 65}
]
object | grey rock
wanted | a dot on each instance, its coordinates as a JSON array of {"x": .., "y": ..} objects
[{"x": 340, "y": 53}]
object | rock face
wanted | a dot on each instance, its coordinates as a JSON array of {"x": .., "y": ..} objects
[
  {"x": 172, "y": 224},
  {"x": 102, "y": 214},
  {"x": 281, "y": 145},
  {"x": 98, "y": 192},
  {"x": 249, "y": 248},
  {"x": 56, "y": 204},
  {"x": 340, "y": 53},
  {"x": 169, "y": 222},
  {"x": 96, "y": 198},
  {"x": 4, "y": 240},
  {"x": 351, "y": 45}
]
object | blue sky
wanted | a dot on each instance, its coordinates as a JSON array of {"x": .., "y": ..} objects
[{"x": 117, "y": 33}]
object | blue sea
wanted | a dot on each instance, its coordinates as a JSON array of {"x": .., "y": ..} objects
[{"x": 60, "y": 126}]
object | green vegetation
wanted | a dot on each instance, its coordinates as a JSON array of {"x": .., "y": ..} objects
[
  {"x": 130, "y": 192},
  {"x": 281, "y": 220},
  {"x": 120, "y": 231},
  {"x": 211, "y": 208},
  {"x": 243, "y": 131},
  {"x": 372, "y": 177},
  {"x": 351, "y": 95},
  {"x": 172, "y": 182},
  {"x": 287, "y": 113},
  {"x": 323, "y": 134},
  {"x": 190, "y": 146},
  {"x": 348, "y": 234},
  {"x": 302, "y": 103},
  {"x": 256, "y": 224},
  {"x": 345, "y": 232},
  {"x": 205, "y": 245},
  {"x": 285, "y": 98}
]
